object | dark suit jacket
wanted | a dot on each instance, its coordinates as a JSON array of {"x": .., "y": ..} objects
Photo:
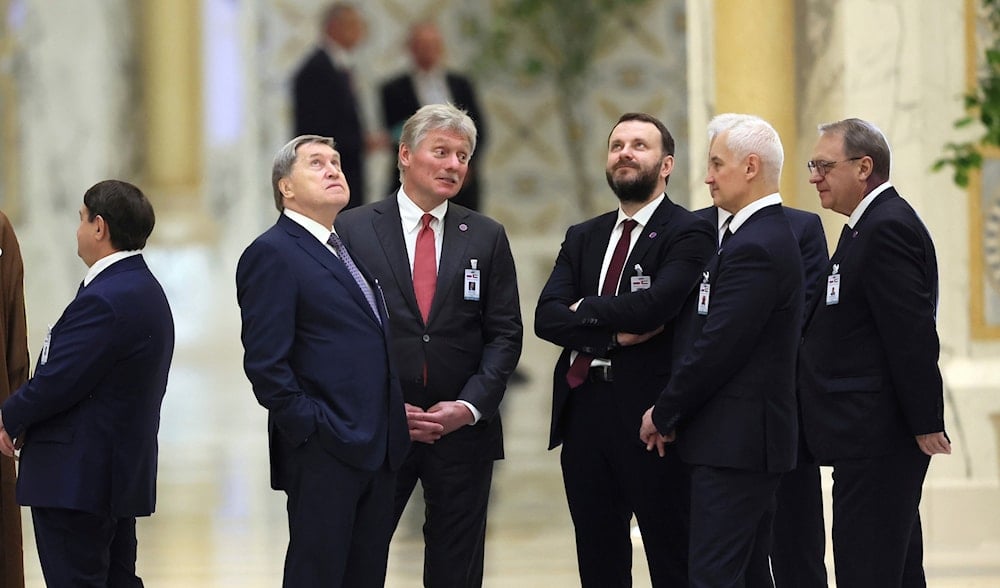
[
  {"x": 324, "y": 103},
  {"x": 91, "y": 413},
  {"x": 732, "y": 396},
  {"x": 316, "y": 355},
  {"x": 673, "y": 249},
  {"x": 808, "y": 230},
  {"x": 400, "y": 101},
  {"x": 470, "y": 347},
  {"x": 868, "y": 373}
]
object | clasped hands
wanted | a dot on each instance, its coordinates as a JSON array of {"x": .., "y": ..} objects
[
  {"x": 427, "y": 426},
  {"x": 651, "y": 437}
]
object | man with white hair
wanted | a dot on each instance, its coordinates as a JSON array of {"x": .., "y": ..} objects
[{"x": 730, "y": 403}]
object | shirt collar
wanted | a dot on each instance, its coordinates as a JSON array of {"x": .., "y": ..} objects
[
  {"x": 107, "y": 261},
  {"x": 643, "y": 215},
  {"x": 341, "y": 58},
  {"x": 315, "y": 228},
  {"x": 410, "y": 214},
  {"x": 865, "y": 203},
  {"x": 747, "y": 211}
]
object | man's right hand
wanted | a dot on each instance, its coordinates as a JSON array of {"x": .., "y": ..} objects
[{"x": 423, "y": 427}]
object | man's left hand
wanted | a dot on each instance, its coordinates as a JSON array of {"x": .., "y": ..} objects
[{"x": 452, "y": 415}]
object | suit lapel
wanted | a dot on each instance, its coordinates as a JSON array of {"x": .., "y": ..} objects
[
  {"x": 654, "y": 230},
  {"x": 389, "y": 231},
  {"x": 593, "y": 254},
  {"x": 457, "y": 234},
  {"x": 327, "y": 259}
]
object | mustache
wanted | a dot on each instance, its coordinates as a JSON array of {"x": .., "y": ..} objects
[{"x": 622, "y": 164}]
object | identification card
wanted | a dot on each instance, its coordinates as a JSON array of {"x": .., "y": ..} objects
[
  {"x": 641, "y": 283},
  {"x": 45, "y": 347},
  {"x": 472, "y": 285},
  {"x": 704, "y": 291},
  {"x": 833, "y": 286}
]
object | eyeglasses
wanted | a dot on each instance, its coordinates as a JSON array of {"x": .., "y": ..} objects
[{"x": 821, "y": 167}]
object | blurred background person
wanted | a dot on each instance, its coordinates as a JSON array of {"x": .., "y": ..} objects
[
  {"x": 430, "y": 82},
  {"x": 326, "y": 97}
]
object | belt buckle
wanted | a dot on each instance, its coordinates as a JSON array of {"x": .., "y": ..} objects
[{"x": 602, "y": 373}]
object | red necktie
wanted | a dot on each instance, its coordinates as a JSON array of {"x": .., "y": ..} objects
[
  {"x": 425, "y": 267},
  {"x": 577, "y": 373}
]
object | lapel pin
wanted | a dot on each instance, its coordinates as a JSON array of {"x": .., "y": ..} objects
[
  {"x": 463, "y": 227},
  {"x": 652, "y": 235}
]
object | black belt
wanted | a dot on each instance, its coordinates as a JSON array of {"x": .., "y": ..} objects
[{"x": 601, "y": 373}]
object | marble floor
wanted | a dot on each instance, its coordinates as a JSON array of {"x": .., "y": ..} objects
[{"x": 219, "y": 525}]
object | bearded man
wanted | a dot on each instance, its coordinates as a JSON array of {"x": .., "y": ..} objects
[{"x": 611, "y": 302}]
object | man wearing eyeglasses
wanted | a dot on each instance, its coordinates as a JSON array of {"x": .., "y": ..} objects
[{"x": 871, "y": 391}]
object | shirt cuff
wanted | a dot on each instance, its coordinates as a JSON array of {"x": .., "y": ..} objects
[{"x": 476, "y": 415}]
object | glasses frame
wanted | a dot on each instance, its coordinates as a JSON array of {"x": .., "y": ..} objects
[{"x": 820, "y": 167}]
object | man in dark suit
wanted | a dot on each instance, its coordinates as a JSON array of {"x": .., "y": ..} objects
[
  {"x": 619, "y": 281},
  {"x": 872, "y": 395},
  {"x": 325, "y": 95},
  {"x": 316, "y": 352},
  {"x": 730, "y": 401},
  {"x": 430, "y": 83},
  {"x": 451, "y": 289},
  {"x": 798, "y": 542},
  {"x": 89, "y": 417}
]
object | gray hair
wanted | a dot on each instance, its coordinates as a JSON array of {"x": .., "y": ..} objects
[
  {"x": 863, "y": 138},
  {"x": 437, "y": 117},
  {"x": 751, "y": 134},
  {"x": 284, "y": 159}
]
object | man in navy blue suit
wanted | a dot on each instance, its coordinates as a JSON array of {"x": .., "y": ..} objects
[
  {"x": 89, "y": 417},
  {"x": 730, "y": 402},
  {"x": 798, "y": 545},
  {"x": 618, "y": 284},
  {"x": 872, "y": 394},
  {"x": 316, "y": 351}
]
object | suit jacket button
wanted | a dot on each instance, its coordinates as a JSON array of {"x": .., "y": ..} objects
[{"x": 426, "y": 338}]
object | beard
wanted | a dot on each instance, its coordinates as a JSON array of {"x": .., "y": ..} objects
[{"x": 634, "y": 189}]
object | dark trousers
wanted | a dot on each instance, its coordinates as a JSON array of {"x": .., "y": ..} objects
[
  {"x": 456, "y": 497},
  {"x": 84, "y": 550},
  {"x": 609, "y": 476},
  {"x": 339, "y": 522},
  {"x": 798, "y": 543},
  {"x": 877, "y": 538},
  {"x": 730, "y": 519},
  {"x": 797, "y": 535}
]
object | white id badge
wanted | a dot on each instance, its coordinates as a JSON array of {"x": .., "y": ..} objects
[
  {"x": 472, "y": 284},
  {"x": 833, "y": 286},
  {"x": 704, "y": 291},
  {"x": 641, "y": 283},
  {"x": 45, "y": 347}
]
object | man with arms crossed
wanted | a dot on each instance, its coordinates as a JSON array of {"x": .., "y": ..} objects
[
  {"x": 730, "y": 402},
  {"x": 89, "y": 417},
  {"x": 316, "y": 352},
  {"x": 872, "y": 396},
  {"x": 619, "y": 281},
  {"x": 450, "y": 285}
]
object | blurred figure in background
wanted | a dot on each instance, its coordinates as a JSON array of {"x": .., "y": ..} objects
[
  {"x": 429, "y": 82},
  {"x": 325, "y": 93}
]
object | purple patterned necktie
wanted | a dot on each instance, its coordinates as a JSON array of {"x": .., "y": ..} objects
[{"x": 341, "y": 251}]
